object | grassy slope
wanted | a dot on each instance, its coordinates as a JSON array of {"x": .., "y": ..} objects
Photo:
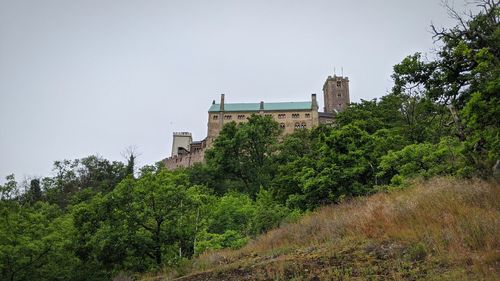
[{"x": 441, "y": 229}]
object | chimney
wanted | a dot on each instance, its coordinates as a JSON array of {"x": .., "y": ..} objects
[
  {"x": 213, "y": 102},
  {"x": 222, "y": 102},
  {"x": 261, "y": 105},
  {"x": 314, "y": 102}
]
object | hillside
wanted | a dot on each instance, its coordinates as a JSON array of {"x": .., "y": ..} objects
[{"x": 443, "y": 229}]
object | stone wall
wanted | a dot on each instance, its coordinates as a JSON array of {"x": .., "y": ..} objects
[{"x": 186, "y": 160}]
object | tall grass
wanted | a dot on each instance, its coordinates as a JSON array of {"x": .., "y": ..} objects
[{"x": 451, "y": 219}]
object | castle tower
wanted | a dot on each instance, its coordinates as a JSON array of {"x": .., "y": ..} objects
[
  {"x": 181, "y": 143},
  {"x": 336, "y": 93}
]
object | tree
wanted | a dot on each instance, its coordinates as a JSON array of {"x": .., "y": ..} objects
[
  {"x": 243, "y": 152},
  {"x": 9, "y": 190},
  {"x": 425, "y": 160},
  {"x": 140, "y": 225},
  {"x": 342, "y": 162},
  {"x": 35, "y": 242},
  {"x": 130, "y": 154},
  {"x": 465, "y": 78}
]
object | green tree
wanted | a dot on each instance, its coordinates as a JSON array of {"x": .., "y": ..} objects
[
  {"x": 425, "y": 159},
  {"x": 342, "y": 162},
  {"x": 464, "y": 78},
  {"x": 35, "y": 242},
  {"x": 243, "y": 152}
]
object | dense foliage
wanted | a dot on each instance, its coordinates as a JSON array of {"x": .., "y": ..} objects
[{"x": 94, "y": 218}]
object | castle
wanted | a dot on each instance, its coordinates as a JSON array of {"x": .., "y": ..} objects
[{"x": 289, "y": 115}]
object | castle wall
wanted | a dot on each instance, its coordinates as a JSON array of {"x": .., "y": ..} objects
[
  {"x": 185, "y": 161},
  {"x": 289, "y": 121}
]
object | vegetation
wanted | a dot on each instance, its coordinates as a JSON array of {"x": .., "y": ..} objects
[
  {"x": 96, "y": 219},
  {"x": 442, "y": 229}
]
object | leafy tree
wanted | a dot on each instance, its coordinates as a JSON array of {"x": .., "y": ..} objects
[
  {"x": 9, "y": 190},
  {"x": 341, "y": 163},
  {"x": 233, "y": 211},
  {"x": 243, "y": 152},
  {"x": 465, "y": 78},
  {"x": 140, "y": 225},
  {"x": 425, "y": 159},
  {"x": 34, "y": 193},
  {"x": 268, "y": 213},
  {"x": 35, "y": 242},
  {"x": 71, "y": 177}
]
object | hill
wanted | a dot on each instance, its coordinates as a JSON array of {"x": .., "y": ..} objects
[{"x": 442, "y": 229}]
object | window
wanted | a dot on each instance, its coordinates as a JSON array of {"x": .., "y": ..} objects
[
  {"x": 303, "y": 125},
  {"x": 339, "y": 94},
  {"x": 228, "y": 117},
  {"x": 297, "y": 125},
  {"x": 308, "y": 115},
  {"x": 339, "y": 84},
  {"x": 282, "y": 116},
  {"x": 215, "y": 117},
  {"x": 282, "y": 125},
  {"x": 268, "y": 115},
  {"x": 241, "y": 117},
  {"x": 295, "y": 115}
]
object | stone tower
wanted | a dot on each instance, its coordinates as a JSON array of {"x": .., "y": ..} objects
[
  {"x": 336, "y": 93},
  {"x": 181, "y": 143}
]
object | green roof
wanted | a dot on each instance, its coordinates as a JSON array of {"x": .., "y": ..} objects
[{"x": 255, "y": 107}]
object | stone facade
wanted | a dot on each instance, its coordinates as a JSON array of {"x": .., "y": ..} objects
[
  {"x": 336, "y": 94},
  {"x": 289, "y": 115}
]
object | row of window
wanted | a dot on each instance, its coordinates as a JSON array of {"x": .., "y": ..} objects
[
  {"x": 296, "y": 126},
  {"x": 242, "y": 116}
]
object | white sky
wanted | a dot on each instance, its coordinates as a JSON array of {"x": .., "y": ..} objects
[{"x": 94, "y": 77}]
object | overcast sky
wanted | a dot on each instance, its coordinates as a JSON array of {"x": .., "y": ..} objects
[{"x": 87, "y": 77}]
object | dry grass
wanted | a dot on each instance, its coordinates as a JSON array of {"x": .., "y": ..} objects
[{"x": 442, "y": 221}]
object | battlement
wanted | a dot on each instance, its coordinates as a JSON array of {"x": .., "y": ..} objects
[
  {"x": 182, "y": 134},
  {"x": 196, "y": 155},
  {"x": 337, "y": 77}
]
